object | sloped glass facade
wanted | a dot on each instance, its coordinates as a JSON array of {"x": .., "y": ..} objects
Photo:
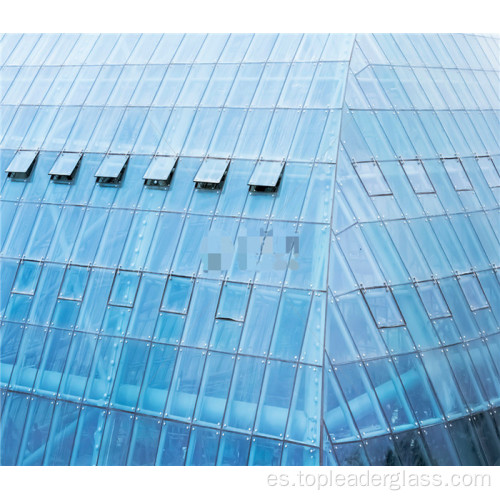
[{"x": 342, "y": 309}]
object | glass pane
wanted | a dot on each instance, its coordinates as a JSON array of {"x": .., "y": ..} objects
[
  {"x": 244, "y": 394},
  {"x": 233, "y": 449},
  {"x": 10, "y": 338},
  {"x": 144, "y": 442},
  {"x": 265, "y": 452},
  {"x": 275, "y": 399},
  {"x": 262, "y": 311},
  {"x": 28, "y": 358},
  {"x": 157, "y": 379},
  {"x": 266, "y": 174},
  {"x": 304, "y": 421},
  {"x": 362, "y": 399},
  {"x": 66, "y": 164},
  {"x": 130, "y": 374},
  {"x": 36, "y": 430},
  {"x": 52, "y": 362},
  {"x": 473, "y": 292},
  {"x": 62, "y": 434},
  {"x": 203, "y": 444},
  {"x": 124, "y": 288},
  {"x": 177, "y": 295},
  {"x": 212, "y": 171},
  {"x": 111, "y": 167},
  {"x": 145, "y": 312},
  {"x": 12, "y": 427},
  {"x": 116, "y": 438},
  {"x": 433, "y": 300},
  {"x": 74, "y": 282},
  {"x": 88, "y": 436},
  {"x": 161, "y": 168},
  {"x": 290, "y": 325},
  {"x": 416, "y": 384},
  {"x": 233, "y": 301},
  {"x": 173, "y": 444},
  {"x": 383, "y": 307},
  {"x": 185, "y": 384},
  {"x": 372, "y": 179},
  {"x": 457, "y": 174},
  {"x": 22, "y": 162},
  {"x": 214, "y": 389},
  {"x": 27, "y": 276},
  {"x": 102, "y": 373},
  {"x": 391, "y": 394}
]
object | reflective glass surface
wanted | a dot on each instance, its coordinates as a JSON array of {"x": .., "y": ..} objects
[{"x": 332, "y": 298}]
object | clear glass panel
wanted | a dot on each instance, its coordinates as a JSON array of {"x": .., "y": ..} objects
[
  {"x": 12, "y": 425},
  {"x": 226, "y": 335},
  {"x": 304, "y": 422},
  {"x": 265, "y": 452},
  {"x": 95, "y": 300},
  {"x": 52, "y": 362},
  {"x": 233, "y": 449},
  {"x": 391, "y": 394},
  {"x": 336, "y": 413},
  {"x": 261, "y": 313},
  {"x": 473, "y": 292},
  {"x": 212, "y": 171},
  {"x": 275, "y": 399},
  {"x": 103, "y": 371},
  {"x": 144, "y": 442},
  {"x": 28, "y": 358},
  {"x": 466, "y": 378},
  {"x": 185, "y": 384},
  {"x": 457, "y": 174},
  {"x": 22, "y": 162},
  {"x": 214, "y": 389},
  {"x": 130, "y": 374},
  {"x": 112, "y": 166},
  {"x": 383, "y": 307},
  {"x": 177, "y": 294},
  {"x": 201, "y": 313},
  {"x": 10, "y": 339},
  {"x": 233, "y": 301},
  {"x": 147, "y": 306},
  {"x": 77, "y": 368},
  {"x": 418, "y": 389},
  {"x": 244, "y": 394},
  {"x": 433, "y": 300},
  {"x": 116, "y": 438},
  {"x": 88, "y": 436},
  {"x": 203, "y": 444},
  {"x": 36, "y": 429},
  {"x": 27, "y": 276},
  {"x": 266, "y": 174},
  {"x": 124, "y": 288},
  {"x": 173, "y": 443},
  {"x": 62, "y": 434},
  {"x": 157, "y": 379},
  {"x": 160, "y": 168}
]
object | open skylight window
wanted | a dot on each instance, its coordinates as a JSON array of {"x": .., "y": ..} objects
[
  {"x": 266, "y": 176},
  {"x": 160, "y": 171},
  {"x": 111, "y": 169},
  {"x": 22, "y": 164},
  {"x": 65, "y": 166},
  {"x": 212, "y": 173}
]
